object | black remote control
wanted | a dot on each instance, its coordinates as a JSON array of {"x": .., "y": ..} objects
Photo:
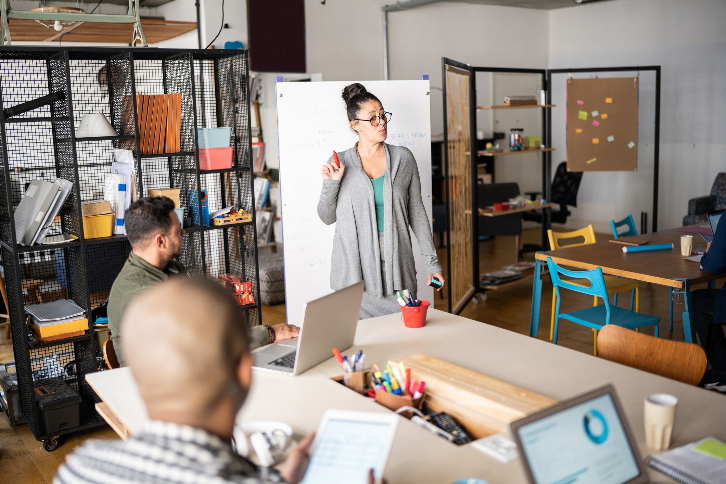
[{"x": 448, "y": 424}]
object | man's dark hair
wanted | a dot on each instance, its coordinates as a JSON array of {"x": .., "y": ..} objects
[{"x": 147, "y": 217}]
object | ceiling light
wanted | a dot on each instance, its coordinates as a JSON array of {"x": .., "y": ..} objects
[{"x": 58, "y": 25}]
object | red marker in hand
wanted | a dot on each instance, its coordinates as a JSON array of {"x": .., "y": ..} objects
[{"x": 335, "y": 157}]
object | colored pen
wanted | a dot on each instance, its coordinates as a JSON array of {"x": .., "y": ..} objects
[
  {"x": 401, "y": 302},
  {"x": 420, "y": 390},
  {"x": 347, "y": 366},
  {"x": 408, "y": 376},
  {"x": 387, "y": 387},
  {"x": 360, "y": 363},
  {"x": 335, "y": 157},
  {"x": 395, "y": 387},
  {"x": 412, "y": 386}
]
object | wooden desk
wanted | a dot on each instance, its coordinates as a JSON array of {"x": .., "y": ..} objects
[
  {"x": 419, "y": 456},
  {"x": 663, "y": 267}
]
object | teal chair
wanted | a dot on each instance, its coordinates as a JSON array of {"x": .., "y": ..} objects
[
  {"x": 594, "y": 317},
  {"x": 628, "y": 221},
  {"x": 633, "y": 231}
]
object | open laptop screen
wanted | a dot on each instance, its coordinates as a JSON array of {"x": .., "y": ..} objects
[
  {"x": 586, "y": 443},
  {"x": 713, "y": 219}
]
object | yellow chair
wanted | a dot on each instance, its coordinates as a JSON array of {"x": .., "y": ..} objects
[{"x": 613, "y": 284}]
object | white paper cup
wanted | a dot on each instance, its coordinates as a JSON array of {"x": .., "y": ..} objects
[
  {"x": 660, "y": 415},
  {"x": 686, "y": 245}
]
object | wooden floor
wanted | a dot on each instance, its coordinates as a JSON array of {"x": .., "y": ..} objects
[{"x": 23, "y": 460}]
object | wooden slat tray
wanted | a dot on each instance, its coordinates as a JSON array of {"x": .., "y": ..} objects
[{"x": 481, "y": 404}]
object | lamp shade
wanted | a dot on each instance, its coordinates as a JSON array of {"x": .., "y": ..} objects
[{"x": 95, "y": 126}]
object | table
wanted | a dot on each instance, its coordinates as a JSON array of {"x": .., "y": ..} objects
[
  {"x": 419, "y": 456},
  {"x": 663, "y": 267}
]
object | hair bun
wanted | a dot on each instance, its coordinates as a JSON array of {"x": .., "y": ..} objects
[{"x": 352, "y": 90}]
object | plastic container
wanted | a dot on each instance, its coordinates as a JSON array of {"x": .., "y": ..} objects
[
  {"x": 216, "y": 158},
  {"x": 501, "y": 207},
  {"x": 97, "y": 226},
  {"x": 58, "y": 403},
  {"x": 415, "y": 317},
  {"x": 214, "y": 137}
]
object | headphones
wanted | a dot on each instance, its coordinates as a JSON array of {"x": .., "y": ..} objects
[{"x": 270, "y": 440}]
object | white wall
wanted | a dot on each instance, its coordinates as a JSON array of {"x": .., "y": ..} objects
[
  {"x": 344, "y": 41},
  {"x": 688, "y": 39}
]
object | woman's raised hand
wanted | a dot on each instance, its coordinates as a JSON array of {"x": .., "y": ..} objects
[{"x": 331, "y": 171}]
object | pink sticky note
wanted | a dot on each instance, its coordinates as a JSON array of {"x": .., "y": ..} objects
[
  {"x": 595, "y": 123},
  {"x": 580, "y": 103}
]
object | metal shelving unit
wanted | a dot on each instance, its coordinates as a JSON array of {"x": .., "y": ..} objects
[{"x": 41, "y": 144}]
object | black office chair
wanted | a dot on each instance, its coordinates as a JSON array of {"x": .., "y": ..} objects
[
  {"x": 564, "y": 191},
  {"x": 438, "y": 214}
]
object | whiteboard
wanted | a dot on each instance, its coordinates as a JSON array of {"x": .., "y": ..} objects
[{"x": 311, "y": 123}]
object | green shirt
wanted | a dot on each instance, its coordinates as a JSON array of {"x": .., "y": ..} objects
[
  {"x": 136, "y": 276},
  {"x": 378, "y": 197}
]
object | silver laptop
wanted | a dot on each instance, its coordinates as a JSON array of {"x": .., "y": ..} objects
[
  {"x": 713, "y": 219},
  {"x": 585, "y": 439},
  {"x": 329, "y": 322}
]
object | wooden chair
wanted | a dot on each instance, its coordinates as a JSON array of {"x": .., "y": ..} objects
[
  {"x": 613, "y": 284},
  {"x": 109, "y": 355},
  {"x": 685, "y": 362}
]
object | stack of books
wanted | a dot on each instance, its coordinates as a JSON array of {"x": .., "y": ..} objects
[
  {"x": 498, "y": 278},
  {"x": 55, "y": 320}
]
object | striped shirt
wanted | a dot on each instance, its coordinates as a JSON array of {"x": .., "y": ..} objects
[{"x": 162, "y": 453}]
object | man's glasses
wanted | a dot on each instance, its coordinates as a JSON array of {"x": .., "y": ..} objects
[{"x": 376, "y": 120}]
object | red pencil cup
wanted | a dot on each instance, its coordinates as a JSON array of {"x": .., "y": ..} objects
[{"x": 415, "y": 317}]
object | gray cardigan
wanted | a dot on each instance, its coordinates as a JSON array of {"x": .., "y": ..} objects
[{"x": 349, "y": 203}]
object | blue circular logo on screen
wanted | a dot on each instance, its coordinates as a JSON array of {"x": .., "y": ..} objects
[{"x": 595, "y": 427}]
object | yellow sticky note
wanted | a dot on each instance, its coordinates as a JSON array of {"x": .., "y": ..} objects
[
  {"x": 609, "y": 100},
  {"x": 604, "y": 116},
  {"x": 582, "y": 115},
  {"x": 713, "y": 448},
  {"x": 590, "y": 161},
  {"x": 595, "y": 141},
  {"x": 578, "y": 131}
]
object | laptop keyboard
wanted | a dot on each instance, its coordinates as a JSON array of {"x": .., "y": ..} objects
[{"x": 287, "y": 361}]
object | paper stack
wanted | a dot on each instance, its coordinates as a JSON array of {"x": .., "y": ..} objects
[{"x": 56, "y": 320}]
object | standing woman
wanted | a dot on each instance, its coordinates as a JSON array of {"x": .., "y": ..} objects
[{"x": 373, "y": 198}]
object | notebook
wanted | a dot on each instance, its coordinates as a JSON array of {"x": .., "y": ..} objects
[
  {"x": 32, "y": 209},
  {"x": 54, "y": 311},
  {"x": 702, "y": 462}
]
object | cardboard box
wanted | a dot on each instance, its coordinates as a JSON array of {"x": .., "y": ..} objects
[
  {"x": 172, "y": 193},
  {"x": 97, "y": 207},
  {"x": 98, "y": 226}
]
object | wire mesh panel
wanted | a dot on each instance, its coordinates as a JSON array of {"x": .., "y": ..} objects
[{"x": 41, "y": 144}]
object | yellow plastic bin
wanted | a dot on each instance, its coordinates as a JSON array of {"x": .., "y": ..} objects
[{"x": 97, "y": 226}]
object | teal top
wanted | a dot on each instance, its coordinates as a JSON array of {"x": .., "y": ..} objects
[{"x": 378, "y": 197}]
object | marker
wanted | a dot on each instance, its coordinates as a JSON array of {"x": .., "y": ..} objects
[
  {"x": 395, "y": 387},
  {"x": 401, "y": 302},
  {"x": 335, "y": 157},
  {"x": 408, "y": 376},
  {"x": 397, "y": 374},
  {"x": 387, "y": 386},
  {"x": 376, "y": 368},
  {"x": 339, "y": 357},
  {"x": 412, "y": 386},
  {"x": 420, "y": 390},
  {"x": 347, "y": 366}
]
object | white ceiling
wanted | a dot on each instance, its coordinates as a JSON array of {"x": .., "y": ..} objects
[{"x": 537, "y": 4}]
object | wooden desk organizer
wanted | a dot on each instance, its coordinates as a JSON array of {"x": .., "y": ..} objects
[{"x": 482, "y": 405}]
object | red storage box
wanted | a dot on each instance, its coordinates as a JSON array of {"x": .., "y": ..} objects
[
  {"x": 236, "y": 284},
  {"x": 216, "y": 158}
]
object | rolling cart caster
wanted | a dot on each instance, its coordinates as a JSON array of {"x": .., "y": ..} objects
[{"x": 50, "y": 444}]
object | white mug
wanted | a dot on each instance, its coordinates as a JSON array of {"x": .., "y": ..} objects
[
  {"x": 269, "y": 440},
  {"x": 660, "y": 415}
]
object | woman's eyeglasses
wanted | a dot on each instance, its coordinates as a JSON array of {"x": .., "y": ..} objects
[{"x": 376, "y": 120}]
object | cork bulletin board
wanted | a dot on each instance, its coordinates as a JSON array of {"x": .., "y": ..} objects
[{"x": 602, "y": 124}]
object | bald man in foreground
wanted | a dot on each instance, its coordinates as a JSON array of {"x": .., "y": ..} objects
[{"x": 189, "y": 355}]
